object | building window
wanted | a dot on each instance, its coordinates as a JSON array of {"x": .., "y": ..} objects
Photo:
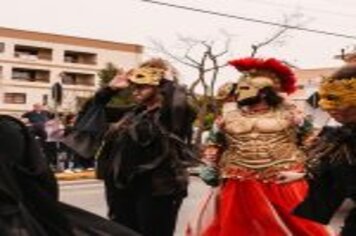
[
  {"x": 71, "y": 78},
  {"x": 15, "y": 98},
  {"x": 2, "y": 47},
  {"x": 80, "y": 57},
  {"x": 30, "y": 75},
  {"x": 33, "y": 53}
]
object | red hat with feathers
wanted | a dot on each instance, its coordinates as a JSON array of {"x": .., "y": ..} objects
[{"x": 282, "y": 72}]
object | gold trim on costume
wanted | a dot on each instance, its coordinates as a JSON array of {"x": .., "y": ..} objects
[
  {"x": 146, "y": 75},
  {"x": 336, "y": 94}
]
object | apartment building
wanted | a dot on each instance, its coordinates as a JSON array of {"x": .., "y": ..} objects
[
  {"x": 31, "y": 62},
  {"x": 308, "y": 83}
]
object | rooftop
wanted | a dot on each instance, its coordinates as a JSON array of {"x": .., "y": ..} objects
[{"x": 70, "y": 40}]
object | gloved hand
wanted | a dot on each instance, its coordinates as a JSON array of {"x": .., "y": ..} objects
[{"x": 210, "y": 175}]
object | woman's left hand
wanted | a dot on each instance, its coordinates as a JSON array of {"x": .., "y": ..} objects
[{"x": 289, "y": 176}]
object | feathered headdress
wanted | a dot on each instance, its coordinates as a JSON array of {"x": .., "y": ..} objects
[{"x": 269, "y": 67}]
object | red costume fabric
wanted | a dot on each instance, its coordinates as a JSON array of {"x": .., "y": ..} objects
[{"x": 254, "y": 208}]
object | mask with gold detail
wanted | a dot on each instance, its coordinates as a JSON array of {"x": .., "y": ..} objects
[
  {"x": 249, "y": 86},
  {"x": 146, "y": 76},
  {"x": 337, "y": 94},
  {"x": 262, "y": 73}
]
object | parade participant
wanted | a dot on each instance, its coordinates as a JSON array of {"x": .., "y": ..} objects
[
  {"x": 261, "y": 167},
  {"x": 332, "y": 163},
  {"x": 29, "y": 193},
  {"x": 143, "y": 154}
]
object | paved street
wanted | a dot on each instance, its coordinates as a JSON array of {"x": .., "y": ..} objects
[{"x": 89, "y": 195}]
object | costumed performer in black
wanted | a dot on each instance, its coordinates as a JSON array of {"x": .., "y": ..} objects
[
  {"x": 332, "y": 163},
  {"x": 144, "y": 151}
]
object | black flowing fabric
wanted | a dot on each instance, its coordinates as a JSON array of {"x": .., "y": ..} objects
[
  {"x": 161, "y": 136},
  {"x": 29, "y": 193},
  {"x": 332, "y": 177}
]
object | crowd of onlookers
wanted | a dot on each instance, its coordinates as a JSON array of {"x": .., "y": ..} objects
[{"x": 49, "y": 129}]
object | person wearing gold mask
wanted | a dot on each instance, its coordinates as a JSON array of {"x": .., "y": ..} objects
[
  {"x": 141, "y": 158},
  {"x": 332, "y": 156},
  {"x": 261, "y": 167}
]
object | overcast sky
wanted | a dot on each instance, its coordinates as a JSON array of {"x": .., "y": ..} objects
[{"x": 135, "y": 21}]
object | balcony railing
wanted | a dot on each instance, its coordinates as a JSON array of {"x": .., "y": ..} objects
[
  {"x": 80, "y": 58},
  {"x": 70, "y": 78},
  {"x": 32, "y": 53},
  {"x": 30, "y": 75}
]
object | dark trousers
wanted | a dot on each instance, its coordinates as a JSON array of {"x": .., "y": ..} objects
[
  {"x": 50, "y": 150},
  {"x": 137, "y": 209}
]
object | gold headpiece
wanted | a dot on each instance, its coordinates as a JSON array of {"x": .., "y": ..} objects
[
  {"x": 225, "y": 91},
  {"x": 146, "y": 75},
  {"x": 336, "y": 94},
  {"x": 250, "y": 85}
]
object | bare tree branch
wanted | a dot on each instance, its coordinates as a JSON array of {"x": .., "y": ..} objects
[
  {"x": 273, "y": 37},
  {"x": 206, "y": 57},
  {"x": 159, "y": 47},
  {"x": 276, "y": 35},
  {"x": 218, "y": 67},
  {"x": 188, "y": 57},
  {"x": 226, "y": 49}
]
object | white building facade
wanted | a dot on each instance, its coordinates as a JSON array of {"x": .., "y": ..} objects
[
  {"x": 308, "y": 83},
  {"x": 31, "y": 62}
]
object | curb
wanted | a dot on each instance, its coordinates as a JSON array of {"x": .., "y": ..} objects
[
  {"x": 65, "y": 183},
  {"x": 75, "y": 176}
]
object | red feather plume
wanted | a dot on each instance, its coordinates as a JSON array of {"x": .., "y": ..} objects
[{"x": 283, "y": 72}]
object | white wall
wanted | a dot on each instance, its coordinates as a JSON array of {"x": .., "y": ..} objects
[{"x": 35, "y": 90}]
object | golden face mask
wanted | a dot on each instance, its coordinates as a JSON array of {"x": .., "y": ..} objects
[
  {"x": 146, "y": 75},
  {"x": 337, "y": 94},
  {"x": 249, "y": 87}
]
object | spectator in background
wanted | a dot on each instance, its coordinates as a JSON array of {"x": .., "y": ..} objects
[
  {"x": 37, "y": 119},
  {"x": 54, "y": 129}
]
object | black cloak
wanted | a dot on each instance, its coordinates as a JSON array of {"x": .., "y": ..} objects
[
  {"x": 331, "y": 177},
  {"x": 29, "y": 203}
]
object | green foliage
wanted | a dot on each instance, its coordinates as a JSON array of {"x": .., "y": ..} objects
[
  {"x": 106, "y": 75},
  {"x": 124, "y": 98},
  {"x": 208, "y": 121}
]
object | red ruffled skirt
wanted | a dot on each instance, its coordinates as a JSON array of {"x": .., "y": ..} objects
[{"x": 254, "y": 208}]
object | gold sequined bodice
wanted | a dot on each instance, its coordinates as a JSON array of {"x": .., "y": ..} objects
[{"x": 259, "y": 145}]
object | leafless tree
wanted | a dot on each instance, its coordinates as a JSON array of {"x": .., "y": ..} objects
[{"x": 207, "y": 59}]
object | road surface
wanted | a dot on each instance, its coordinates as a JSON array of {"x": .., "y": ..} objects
[{"x": 89, "y": 195}]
